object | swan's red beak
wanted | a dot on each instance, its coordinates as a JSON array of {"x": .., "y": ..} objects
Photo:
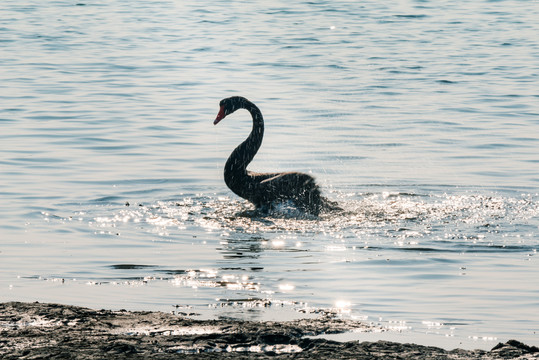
[{"x": 220, "y": 116}]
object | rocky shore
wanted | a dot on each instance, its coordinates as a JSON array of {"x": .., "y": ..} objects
[{"x": 53, "y": 331}]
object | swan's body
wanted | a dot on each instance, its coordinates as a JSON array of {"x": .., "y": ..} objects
[{"x": 264, "y": 189}]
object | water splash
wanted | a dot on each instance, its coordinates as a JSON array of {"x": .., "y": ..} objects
[{"x": 403, "y": 218}]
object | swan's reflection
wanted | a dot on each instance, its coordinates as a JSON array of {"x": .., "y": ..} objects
[
  {"x": 233, "y": 248},
  {"x": 254, "y": 246}
]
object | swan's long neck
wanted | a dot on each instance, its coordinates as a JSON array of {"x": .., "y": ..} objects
[{"x": 236, "y": 176}]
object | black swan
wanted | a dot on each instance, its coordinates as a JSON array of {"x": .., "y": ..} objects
[{"x": 265, "y": 189}]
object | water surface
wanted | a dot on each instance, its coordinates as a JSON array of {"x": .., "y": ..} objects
[{"x": 419, "y": 118}]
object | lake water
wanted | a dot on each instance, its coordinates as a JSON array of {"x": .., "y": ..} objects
[{"x": 420, "y": 118}]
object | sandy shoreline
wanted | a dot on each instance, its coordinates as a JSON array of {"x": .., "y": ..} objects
[{"x": 53, "y": 331}]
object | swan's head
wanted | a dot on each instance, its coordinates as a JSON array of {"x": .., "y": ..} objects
[{"x": 228, "y": 106}]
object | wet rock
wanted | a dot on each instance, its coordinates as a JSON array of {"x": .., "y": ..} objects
[
  {"x": 513, "y": 348},
  {"x": 52, "y": 331}
]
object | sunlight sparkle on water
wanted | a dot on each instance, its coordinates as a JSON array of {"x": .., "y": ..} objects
[
  {"x": 397, "y": 325},
  {"x": 278, "y": 243},
  {"x": 343, "y": 306},
  {"x": 335, "y": 248},
  {"x": 286, "y": 287}
]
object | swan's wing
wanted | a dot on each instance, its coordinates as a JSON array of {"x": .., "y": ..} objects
[
  {"x": 260, "y": 177},
  {"x": 273, "y": 178},
  {"x": 294, "y": 180}
]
